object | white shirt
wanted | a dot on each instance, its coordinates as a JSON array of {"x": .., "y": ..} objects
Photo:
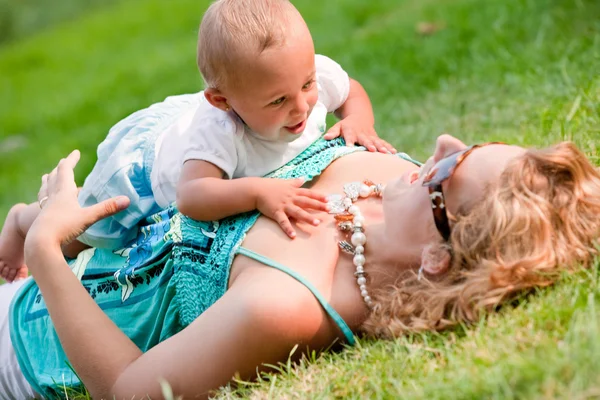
[{"x": 209, "y": 134}]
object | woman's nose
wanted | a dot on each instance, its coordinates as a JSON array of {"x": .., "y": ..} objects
[{"x": 446, "y": 145}]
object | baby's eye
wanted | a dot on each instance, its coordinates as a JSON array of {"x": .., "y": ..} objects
[
  {"x": 278, "y": 101},
  {"x": 308, "y": 84}
]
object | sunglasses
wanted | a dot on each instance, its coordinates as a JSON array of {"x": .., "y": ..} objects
[{"x": 441, "y": 171}]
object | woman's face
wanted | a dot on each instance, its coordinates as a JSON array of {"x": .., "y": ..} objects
[{"x": 406, "y": 204}]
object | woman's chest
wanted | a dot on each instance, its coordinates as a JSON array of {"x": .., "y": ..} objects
[{"x": 313, "y": 254}]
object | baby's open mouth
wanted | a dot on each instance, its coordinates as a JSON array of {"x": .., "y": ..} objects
[{"x": 299, "y": 127}]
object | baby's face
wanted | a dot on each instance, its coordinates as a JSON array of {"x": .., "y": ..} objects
[{"x": 278, "y": 90}]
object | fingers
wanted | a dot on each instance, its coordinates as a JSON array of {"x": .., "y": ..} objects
[
  {"x": 301, "y": 215},
  {"x": 333, "y": 132},
  {"x": 308, "y": 203},
  {"x": 374, "y": 143},
  {"x": 62, "y": 173},
  {"x": 106, "y": 208},
  {"x": 43, "y": 192},
  {"x": 368, "y": 142},
  {"x": 312, "y": 194},
  {"x": 65, "y": 168},
  {"x": 282, "y": 219},
  {"x": 384, "y": 147},
  {"x": 350, "y": 137},
  {"x": 297, "y": 182},
  {"x": 51, "y": 182}
]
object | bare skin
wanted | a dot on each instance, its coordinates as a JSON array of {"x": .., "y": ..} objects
[{"x": 12, "y": 238}]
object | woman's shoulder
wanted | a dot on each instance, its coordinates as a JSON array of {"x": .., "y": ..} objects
[{"x": 278, "y": 303}]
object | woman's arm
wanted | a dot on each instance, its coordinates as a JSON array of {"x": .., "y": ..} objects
[
  {"x": 94, "y": 345},
  {"x": 257, "y": 321},
  {"x": 236, "y": 335}
]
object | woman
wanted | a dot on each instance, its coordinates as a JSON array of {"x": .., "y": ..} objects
[{"x": 445, "y": 242}]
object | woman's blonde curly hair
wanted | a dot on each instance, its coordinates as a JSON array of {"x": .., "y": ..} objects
[{"x": 540, "y": 219}]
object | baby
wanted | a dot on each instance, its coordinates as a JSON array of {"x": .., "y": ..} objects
[{"x": 266, "y": 98}]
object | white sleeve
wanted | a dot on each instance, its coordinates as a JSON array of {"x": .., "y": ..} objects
[
  {"x": 332, "y": 81},
  {"x": 214, "y": 141}
]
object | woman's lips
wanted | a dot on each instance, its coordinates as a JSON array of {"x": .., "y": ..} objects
[{"x": 298, "y": 128}]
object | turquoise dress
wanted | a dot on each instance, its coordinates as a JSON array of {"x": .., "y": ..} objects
[{"x": 158, "y": 284}]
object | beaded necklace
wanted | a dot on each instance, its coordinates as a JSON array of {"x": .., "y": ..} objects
[{"x": 350, "y": 219}]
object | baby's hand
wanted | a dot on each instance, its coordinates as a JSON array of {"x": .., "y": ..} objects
[
  {"x": 354, "y": 130},
  {"x": 281, "y": 199}
]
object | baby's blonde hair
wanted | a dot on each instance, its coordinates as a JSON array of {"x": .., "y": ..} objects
[
  {"x": 540, "y": 219},
  {"x": 233, "y": 30}
]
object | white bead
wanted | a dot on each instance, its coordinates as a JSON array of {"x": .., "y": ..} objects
[
  {"x": 360, "y": 270},
  {"x": 367, "y": 299},
  {"x": 353, "y": 210},
  {"x": 361, "y": 281},
  {"x": 364, "y": 191},
  {"x": 358, "y": 239},
  {"x": 364, "y": 293},
  {"x": 358, "y": 225},
  {"x": 347, "y": 202},
  {"x": 362, "y": 287},
  {"x": 359, "y": 249},
  {"x": 359, "y": 219},
  {"x": 359, "y": 260}
]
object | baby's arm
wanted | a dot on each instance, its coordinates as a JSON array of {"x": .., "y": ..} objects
[
  {"x": 204, "y": 195},
  {"x": 357, "y": 121}
]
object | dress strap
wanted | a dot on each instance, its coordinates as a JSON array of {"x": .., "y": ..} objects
[
  {"x": 326, "y": 306},
  {"x": 406, "y": 157}
]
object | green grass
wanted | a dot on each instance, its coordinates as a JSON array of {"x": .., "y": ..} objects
[
  {"x": 522, "y": 71},
  {"x": 25, "y": 17}
]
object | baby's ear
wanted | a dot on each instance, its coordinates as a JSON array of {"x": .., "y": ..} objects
[
  {"x": 216, "y": 98},
  {"x": 435, "y": 258}
]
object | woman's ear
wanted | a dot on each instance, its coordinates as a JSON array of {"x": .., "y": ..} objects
[
  {"x": 216, "y": 99},
  {"x": 435, "y": 259}
]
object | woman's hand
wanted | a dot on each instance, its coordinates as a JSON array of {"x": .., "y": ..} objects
[{"x": 62, "y": 219}]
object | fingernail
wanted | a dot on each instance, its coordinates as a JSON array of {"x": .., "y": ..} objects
[
  {"x": 316, "y": 222},
  {"x": 122, "y": 202},
  {"x": 292, "y": 234}
]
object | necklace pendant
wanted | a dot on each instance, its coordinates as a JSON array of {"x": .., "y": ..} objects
[
  {"x": 352, "y": 190},
  {"x": 336, "y": 207},
  {"x": 346, "y": 226},
  {"x": 346, "y": 247},
  {"x": 344, "y": 217},
  {"x": 335, "y": 202},
  {"x": 369, "y": 182}
]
